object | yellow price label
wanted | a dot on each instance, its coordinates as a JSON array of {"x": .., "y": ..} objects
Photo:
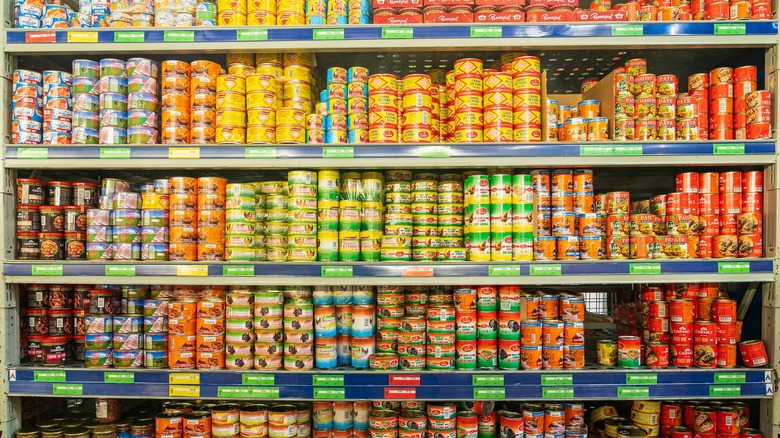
[
  {"x": 184, "y": 153},
  {"x": 184, "y": 379},
  {"x": 183, "y": 391},
  {"x": 192, "y": 271},
  {"x": 82, "y": 37}
]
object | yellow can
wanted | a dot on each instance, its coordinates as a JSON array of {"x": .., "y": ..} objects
[
  {"x": 298, "y": 102},
  {"x": 528, "y": 134},
  {"x": 417, "y": 99},
  {"x": 468, "y": 134},
  {"x": 261, "y": 18},
  {"x": 238, "y": 58},
  {"x": 231, "y": 18},
  {"x": 468, "y": 84},
  {"x": 260, "y": 134},
  {"x": 471, "y": 100},
  {"x": 495, "y": 81},
  {"x": 383, "y": 134},
  {"x": 231, "y": 118},
  {"x": 262, "y": 117},
  {"x": 468, "y": 117},
  {"x": 416, "y": 134},
  {"x": 256, "y": 82},
  {"x": 498, "y": 98},
  {"x": 267, "y": 57},
  {"x": 379, "y": 118},
  {"x": 524, "y": 64},
  {"x": 240, "y": 70},
  {"x": 290, "y": 134},
  {"x": 262, "y": 99},
  {"x": 297, "y": 72},
  {"x": 416, "y": 116},
  {"x": 383, "y": 82},
  {"x": 291, "y": 18},
  {"x": 303, "y": 58},
  {"x": 233, "y": 83},
  {"x": 308, "y": 254},
  {"x": 293, "y": 88},
  {"x": 527, "y": 82},
  {"x": 468, "y": 66},
  {"x": 497, "y": 116},
  {"x": 290, "y": 116},
  {"x": 270, "y": 69},
  {"x": 416, "y": 82},
  {"x": 383, "y": 99},
  {"x": 532, "y": 99},
  {"x": 528, "y": 116},
  {"x": 231, "y": 101},
  {"x": 231, "y": 135}
]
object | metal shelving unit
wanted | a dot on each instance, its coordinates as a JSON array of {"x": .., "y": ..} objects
[{"x": 591, "y": 383}]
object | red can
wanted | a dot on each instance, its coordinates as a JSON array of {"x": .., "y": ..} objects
[
  {"x": 753, "y": 181},
  {"x": 728, "y": 421},
  {"x": 745, "y": 73},
  {"x": 689, "y": 413},
  {"x": 676, "y": 203},
  {"x": 727, "y": 333},
  {"x": 724, "y": 310},
  {"x": 727, "y": 356},
  {"x": 680, "y": 431},
  {"x": 752, "y": 203},
  {"x": 755, "y": 131},
  {"x": 658, "y": 309},
  {"x": 651, "y": 293},
  {"x": 751, "y": 245},
  {"x": 743, "y": 88},
  {"x": 728, "y": 224},
  {"x": 705, "y": 332},
  {"x": 708, "y": 182},
  {"x": 709, "y": 203},
  {"x": 681, "y": 355},
  {"x": 730, "y": 182},
  {"x": 705, "y": 419},
  {"x": 658, "y": 325},
  {"x": 681, "y": 310},
  {"x": 687, "y": 182},
  {"x": 671, "y": 414},
  {"x": 657, "y": 355},
  {"x": 698, "y": 81},
  {"x": 730, "y": 203},
  {"x": 682, "y": 332},
  {"x": 760, "y": 98},
  {"x": 753, "y": 353},
  {"x": 721, "y": 75},
  {"x": 704, "y": 247}
]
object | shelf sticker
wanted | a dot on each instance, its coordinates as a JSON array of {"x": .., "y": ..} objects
[
  {"x": 40, "y": 37},
  {"x": 47, "y": 270},
  {"x": 33, "y": 153},
  {"x": 546, "y": 270},
  {"x": 270, "y": 392},
  {"x": 82, "y": 37},
  {"x": 487, "y": 380},
  {"x": 727, "y": 377},
  {"x": 733, "y": 267},
  {"x": 487, "y": 32},
  {"x": 192, "y": 271},
  {"x": 645, "y": 268},
  {"x": 730, "y": 29},
  {"x": 627, "y": 30},
  {"x": 129, "y": 37},
  {"x": 642, "y": 379},
  {"x": 404, "y": 393},
  {"x": 336, "y": 271},
  {"x": 327, "y": 380},
  {"x": 120, "y": 271},
  {"x": 119, "y": 377},
  {"x": 404, "y": 379},
  {"x": 338, "y": 152},
  {"x": 183, "y": 391},
  {"x": 260, "y": 152},
  {"x": 633, "y": 392},
  {"x": 328, "y": 34},
  {"x": 397, "y": 32},
  {"x": 595, "y": 150},
  {"x": 258, "y": 379},
  {"x": 558, "y": 380},
  {"x": 49, "y": 376},
  {"x": 725, "y": 391},
  {"x": 114, "y": 153},
  {"x": 179, "y": 36},
  {"x": 561, "y": 392},
  {"x": 417, "y": 271},
  {"x": 503, "y": 271},
  {"x": 482, "y": 393},
  {"x": 252, "y": 35},
  {"x": 184, "y": 153},
  {"x": 728, "y": 149},
  {"x": 330, "y": 393},
  {"x": 238, "y": 271},
  {"x": 434, "y": 152},
  {"x": 67, "y": 389},
  {"x": 184, "y": 379},
  {"x": 232, "y": 392}
]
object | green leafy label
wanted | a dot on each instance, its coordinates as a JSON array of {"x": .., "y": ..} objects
[
  {"x": 49, "y": 376},
  {"x": 33, "y": 153},
  {"x": 503, "y": 271},
  {"x": 338, "y": 152},
  {"x": 482, "y": 393},
  {"x": 252, "y": 34},
  {"x": 129, "y": 37},
  {"x": 327, "y": 380},
  {"x": 114, "y": 153},
  {"x": 67, "y": 389},
  {"x": 397, "y": 32},
  {"x": 730, "y": 29},
  {"x": 725, "y": 391},
  {"x": 633, "y": 392},
  {"x": 641, "y": 379},
  {"x": 260, "y": 152},
  {"x": 728, "y": 149},
  {"x": 330, "y": 393},
  {"x": 487, "y": 380},
  {"x": 119, "y": 377},
  {"x": 733, "y": 267},
  {"x": 487, "y": 32},
  {"x": 645, "y": 268},
  {"x": 627, "y": 30},
  {"x": 47, "y": 270},
  {"x": 328, "y": 34},
  {"x": 729, "y": 377},
  {"x": 337, "y": 271},
  {"x": 561, "y": 392},
  {"x": 179, "y": 36},
  {"x": 558, "y": 380},
  {"x": 238, "y": 271},
  {"x": 546, "y": 270},
  {"x": 258, "y": 379},
  {"x": 588, "y": 150},
  {"x": 434, "y": 152},
  {"x": 120, "y": 271}
]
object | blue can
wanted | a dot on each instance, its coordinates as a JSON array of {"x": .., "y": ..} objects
[
  {"x": 315, "y": 19},
  {"x": 99, "y": 358},
  {"x": 86, "y": 85},
  {"x": 86, "y": 102},
  {"x": 132, "y": 306},
  {"x": 24, "y": 113},
  {"x": 98, "y": 341},
  {"x": 325, "y": 321},
  {"x": 155, "y": 218},
  {"x": 321, "y": 296},
  {"x": 154, "y": 251},
  {"x": 363, "y": 295},
  {"x": 343, "y": 353},
  {"x": 156, "y": 341},
  {"x": 342, "y": 296}
]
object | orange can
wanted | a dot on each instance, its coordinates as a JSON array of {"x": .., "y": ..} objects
[
  {"x": 552, "y": 332},
  {"x": 725, "y": 246},
  {"x": 210, "y": 360},
  {"x": 574, "y": 333},
  {"x": 531, "y": 333},
  {"x": 531, "y": 357},
  {"x": 182, "y": 309},
  {"x": 681, "y": 310},
  {"x": 181, "y": 326},
  {"x": 552, "y": 357}
]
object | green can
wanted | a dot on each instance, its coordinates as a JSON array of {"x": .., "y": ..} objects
[
  {"x": 478, "y": 189},
  {"x": 307, "y": 177},
  {"x": 301, "y": 203},
  {"x": 349, "y": 246},
  {"x": 501, "y": 188},
  {"x": 276, "y": 228},
  {"x": 452, "y": 254},
  {"x": 487, "y": 360},
  {"x": 502, "y": 246},
  {"x": 373, "y": 183},
  {"x": 467, "y": 331},
  {"x": 479, "y": 246},
  {"x": 509, "y": 359},
  {"x": 329, "y": 185},
  {"x": 489, "y": 332},
  {"x": 240, "y": 254},
  {"x": 328, "y": 248},
  {"x": 468, "y": 361},
  {"x": 509, "y": 331},
  {"x": 276, "y": 202},
  {"x": 370, "y": 246},
  {"x": 440, "y": 364},
  {"x": 278, "y": 215}
]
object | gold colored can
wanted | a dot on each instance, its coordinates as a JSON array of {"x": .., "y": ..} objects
[
  {"x": 290, "y": 116},
  {"x": 498, "y": 98},
  {"x": 274, "y": 70},
  {"x": 468, "y": 134},
  {"x": 290, "y": 134},
  {"x": 383, "y": 99},
  {"x": 256, "y": 82},
  {"x": 231, "y": 18},
  {"x": 526, "y": 99},
  {"x": 383, "y": 134},
  {"x": 232, "y": 83},
  {"x": 260, "y": 134},
  {"x": 416, "y": 134},
  {"x": 469, "y": 84},
  {"x": 231, "y": 100},
  {"x": 262, "y": 117},
  {"x": 262, "y": 18},
  {"x": 231, "y": 135},
  {"x": 262, "y": 99},
  {"x": 237, "y": 58},
  {"x": 382, "y": 82},
  {"x": 528, "y": 116},
  {"x": 297, "y": 72},
  {"x": 302, "y": 58},
  {"x": 606, "y": 352},
  {"x": 231, "y": 118},
  {"x": 527, "y": 82}
]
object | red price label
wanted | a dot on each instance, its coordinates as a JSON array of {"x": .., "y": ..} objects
[
  {"x": 40, "y": 37},
  {"x": 405, "y": 393},
  {"x": 404, "y": 379},
  {"x": 417, "y": 271}
]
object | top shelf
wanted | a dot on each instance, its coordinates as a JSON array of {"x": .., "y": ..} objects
[{"x": 378, "y": 37}]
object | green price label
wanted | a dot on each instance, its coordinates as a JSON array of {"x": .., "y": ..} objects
[
  {"x": 562, "y": 392},
  {"x": 33, "y": 153},
  {"x": 337, "y": 271},
  {"x": 725, "y": 391},
  {"x": 728, "y": 149},
  {"x": 258, "y": 379},
  {"x": 628, "y": 149},
  {"x": 338, "y": 152},
  {"x": 503, "y": 271},
  {"x": 252, "y": 35},
  {"x": 733, "y": 267},
  {"x": 67, "y": 389},
  {"x": 179, "y": 36},
  {"x": 129, "y": 37},
  {"x": 328, "y": 34},
  {"x": 238, "y": 271},
  {"x": 397, "y": 32},
  {"x": 327, "y": 380},
  {"x": 260, "y": 152},
  {"x": 595, "y": 150},
  {"x": 641, "y": 379},
  {"x": 628, "y": 30},
  {"x": 558, "y": 380},
  {"x": 645, "y": 268},
  {"x": 546, "y": 270},
  {"x": 114, "y": 153},
  {"x": 119, "y": 377},
  {"x": 233, "y": 392},
  {"x": 489, "y": 393},
  {"x": 730, "y": 29},
  {"x": 434, "y": 152},
  {"x": 47, "y": 270},
  {"x": 49, "y": 376},
  {"x": 264, "y": 392},
  {"x": 120, "y": 271},
  {"x": 729, "y": 377},
  {"x": 487, "y": 32},
  {"x": 633, "y": 392},
  {"x": 330, "y": 393},
  {"x": 487, "y": 380}
]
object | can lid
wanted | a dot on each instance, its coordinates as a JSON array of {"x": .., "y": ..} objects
[
  {"x": 55, "y": 339},
  {"x": 29, "y": 180}
]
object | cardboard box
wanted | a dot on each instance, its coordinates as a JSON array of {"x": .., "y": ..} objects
[
  {"x": 554, "y": 3},
  {"x": 399, "y": 19},
  {"x": 551, "y": 17},
  {"x": 604, "y": 92},
  {"x": 602, "y": 16},
  {"x": 380, "y": 4},
  {"x": 446, "y": 17},
  {"x": 499, "y": 17},
  {"x": 519, "y": 3},
  {"x": 448, "y": 2}
]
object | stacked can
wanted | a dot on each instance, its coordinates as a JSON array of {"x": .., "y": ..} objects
[
  {"x": 497, "y": 100},
  {"x": 412, "y": 343},
  {"x": 572, "y": 313},
  {"x": 57, "y": 115},
  {"x": 298, "y": 328},
  {"x": 268, "y": 328},
  {"x": 316, "y": 11},
  {"x": 328, "y": 195},
  {"x": 298, "y": 81},
  {"x": 527, "y": 103},
  {"x": 276, "y": 194},
  {"x": 113, "y": 101},
  {"x": 442, "y": 418},
  {"x": 501, "y": 216},
  {"x": 450, "y": 207},
  {"x": 86, "y": 102},
  {"x": 99, "y": 223},
  {"x": 509, "y": 319},
  {"x": 699, "y": 92},
  {"x": 425, "y": 219},
  {"x": 465, "y": 298},
  {"x": 397, "y": 240},
  {"x": 261, "y": 229},
  {"x": 210, "y": 330},
  {"x": 390, "y": 311},
  {"x": 749, "y": 221},
  {"x": 325, "y": 328},
  {"x": 440, "y": 337},
  {"x": 261, "y": 12},
  {"x": 128, "y": 340},
  {"x": 329, "y": 123},
  {"x": 671, "y": 418},
  {"x": 262, "y": 101},
  {"x": 173, "y": 13},
  {"x": 342, "y": 299},
  {"x": 155, "y": 221},
  {"x": 467, "y": 126},
  {"x": 371, "y": 216},
  {"x": 721, "y": 103},
  {"x": 383, "y": 108},
  {"x": 206, "y": 13},
  {"x": 522, "y": 217},
  {"x": 211, "y": 218},
  {"x": 125, "y": 222},
  {"x": 291, "y": 123},
  {"x": 142, "y": 102},
  {"x": 239, "y": 328},
  {"x": 292, "y": 12},
  {"x": 99, "y": 323},
  {"x": 183, "y": 232},
  {"x": 241, "y": 240},
  {"x": 477, "y": 217},
  {"x": 417, "y": 109},
  {"x": 363, "y": 333},
  {"x": 28, "y": 15},
  {"x": 302, "y": 217},
  {"x": 646, "y": 415},
  {"x": 487, "y": 327},
  {"x": 231, "y": 108},
  {"x": 26, "y": 116},
  {"x": 758, "y": 115},
  {"x": 614, "y": 208},
  {"x": 658, "y": 331},
  {"x": 350, "y": 218},
  {"x": 232, "y": 13},
  {"x": 203, "y": 101}
]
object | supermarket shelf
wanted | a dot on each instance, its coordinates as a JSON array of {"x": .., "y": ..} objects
[
  {"x": 390, "y": 273},
  {"x": 592, "y": 383},
  {"x": 386, "y": 156},
  {"x": 372, "y": 37}
]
